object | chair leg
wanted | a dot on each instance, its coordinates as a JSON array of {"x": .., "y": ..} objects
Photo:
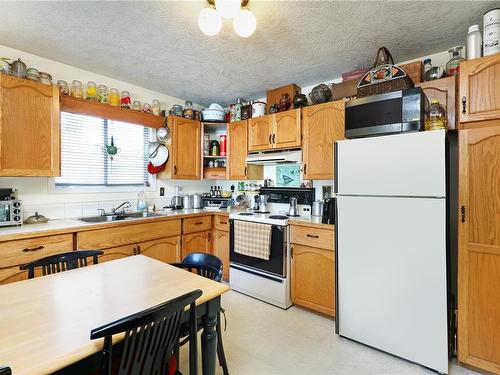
[
  {"x": 220, "y": 348},
  {"x": 177, "y": 356}
]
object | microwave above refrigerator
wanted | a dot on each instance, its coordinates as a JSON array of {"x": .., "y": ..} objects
[{"x": 390, "y": 113}]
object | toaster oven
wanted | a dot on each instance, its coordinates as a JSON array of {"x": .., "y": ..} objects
[{"x": 11, "y": 213}]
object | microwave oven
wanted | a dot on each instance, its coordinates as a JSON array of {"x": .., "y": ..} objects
[
  {"x": 11, "y": 213},
  {"x": 389, "y": 113}
]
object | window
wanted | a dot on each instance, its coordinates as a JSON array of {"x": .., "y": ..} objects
[{"x": 84, "y": 161}]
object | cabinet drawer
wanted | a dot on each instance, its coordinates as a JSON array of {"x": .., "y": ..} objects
[
  {"x": 221, "y": 223},
  {"x": 313, "y": 237},
  {"x": 196, "y": 224},
  {"x": 15, "y": 253},
  {"x": 127, "y": 234}
]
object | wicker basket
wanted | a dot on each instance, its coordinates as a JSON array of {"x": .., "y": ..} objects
[{"x": 385, "y": 76}]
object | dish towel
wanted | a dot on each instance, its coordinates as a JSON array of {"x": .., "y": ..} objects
[{"x": 252, "y": 239}]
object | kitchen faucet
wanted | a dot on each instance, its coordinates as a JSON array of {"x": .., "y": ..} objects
[{"x": 123, "y": 206}]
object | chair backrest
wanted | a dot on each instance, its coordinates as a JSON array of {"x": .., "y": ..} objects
[
  {"x": 4, "y": 370},
  {"x": 61, "y": 262},
  {"x": 150, "y": 336},
  {"x": 205, "y": 265}
]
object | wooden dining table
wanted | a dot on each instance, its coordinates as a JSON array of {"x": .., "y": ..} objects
[{"x": 45, "y": 322}]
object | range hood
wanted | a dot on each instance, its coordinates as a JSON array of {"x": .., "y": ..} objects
[{"x": 277, "y": 157}]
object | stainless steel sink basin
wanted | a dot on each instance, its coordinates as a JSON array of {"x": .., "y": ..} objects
[{"x": 117, "y": 217}]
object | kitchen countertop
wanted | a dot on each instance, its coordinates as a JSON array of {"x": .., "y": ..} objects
[
  {"x": 311, "y": 221},
  {"x": 54, "y": 227}
]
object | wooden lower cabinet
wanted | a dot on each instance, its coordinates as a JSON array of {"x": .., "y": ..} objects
[
  {"x": 313, "y": 278},
  {"x": 199, "y": 242},
  {"x": 479, "y": 249},
  {"x": 17, "y": 252},
  {"x": 166, "y": 250},
  {"x": 117, "y": 252},
  {"x": 221, "y": 250}
]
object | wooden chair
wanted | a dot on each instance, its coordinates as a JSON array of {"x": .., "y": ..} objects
[
  {"x": 150, "y": 337},
  {"x": 61, "y": 262},
  {"x": 4, "y": 370},
  {"x": 211, "y": 267}
]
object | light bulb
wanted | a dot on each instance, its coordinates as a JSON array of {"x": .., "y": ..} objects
[
  {"x": 228, "y": 8},
  {"x": 245, "y": 23},
  {"x": 209, "y": 21}
]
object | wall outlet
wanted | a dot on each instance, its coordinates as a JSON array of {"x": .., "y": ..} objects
[{"x": 162, "y": 192}]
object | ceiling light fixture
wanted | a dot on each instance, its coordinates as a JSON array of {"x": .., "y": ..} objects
[{"x": 210, "y": 19}]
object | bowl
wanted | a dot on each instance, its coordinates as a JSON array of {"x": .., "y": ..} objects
[{"x": 216, "y": 115}]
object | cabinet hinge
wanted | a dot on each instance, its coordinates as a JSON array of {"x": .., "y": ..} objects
[
  {"x": 462, "y": 212},
  {"x": 291, "y": 251}
]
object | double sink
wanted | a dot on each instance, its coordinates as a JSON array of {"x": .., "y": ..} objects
[{"x": 117, "y": 217}]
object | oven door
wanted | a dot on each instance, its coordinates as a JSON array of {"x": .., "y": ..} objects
[
  {"x": 5, "y": 213},
  {"x": 276, "y": 264}
]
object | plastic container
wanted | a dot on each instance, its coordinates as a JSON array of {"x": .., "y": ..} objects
[
  {"x": 473, "y": 44},
  {"x": 437, "y": 117},
  {"x": 453, "y": 65},
  {"x": 491, "y": 32}
]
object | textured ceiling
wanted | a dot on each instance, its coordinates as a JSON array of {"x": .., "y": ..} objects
[{"x": 158, "y": 45}]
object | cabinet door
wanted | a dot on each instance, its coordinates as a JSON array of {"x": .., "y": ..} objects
[
  {"x": 200, "y": 242},
  {"x": 29, "y": 124},
  {"x": 221, "y": 250},
  {"x": 238, "y": 147},
  {"x": 322, "y": 125},
  {"x": 286, "y": 129},
  {"x": 118, "y": 252},
  {"x": 479, "y": 91},
  {"x": 166, "y": 250},
  {"x": 479, "y": 249},
  {"x": 186, "y": 149},
  {"x": 313, "y": 278},
  {"x": 259, "y": 133},
  {"x": 444, "y": 90}
]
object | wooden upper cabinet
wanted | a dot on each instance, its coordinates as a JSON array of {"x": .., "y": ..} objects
[
  {"x": 286, "y": 129},
  {"x": 479, "y": 249},
  {"x": 238, "y": 146},
  {"x": 444, "y": 90},
  {"x": 29, "y": 125},
  {"x": 186, "y": 148},
  {"x": 479, "y": 90},
  {"x": 260, "y": 133},
  {"x": 322, "y": 125}
]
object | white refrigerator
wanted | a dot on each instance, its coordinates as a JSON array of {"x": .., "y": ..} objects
[{"x": 391, "y": 245}]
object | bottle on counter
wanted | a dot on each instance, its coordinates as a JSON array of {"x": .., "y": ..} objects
[{"x": 474, "y": 43}]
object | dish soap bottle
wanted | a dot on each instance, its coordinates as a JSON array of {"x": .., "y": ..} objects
[
  {"x": 141, "y": 202},
  {"x": 437, "y": 117}
]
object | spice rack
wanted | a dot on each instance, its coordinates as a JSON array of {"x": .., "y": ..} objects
[
  {"x": 213, "y": 166},
  {"x": 110, "y": 112}
]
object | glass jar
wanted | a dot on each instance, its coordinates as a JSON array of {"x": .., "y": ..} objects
[
  {"x": 206, "y": 144},
  {"x": 63, "y": 87},
  {"x": 156, "y": 107},
  {"x": 437, "y": 117},
  {"x": 102, "y": 94},
  {"x": 214, "y": 148},
  {"x": 453, "y": 65},
  {"x": 147, "y": 108},
  {"x": 176, "y": 110},
  {"x": 188, "y": 110},
  {"x": 136, "y": 105},
  {"x": 91, "y": 92},
  {"x": 114, "y": 97},
  {"x": 125, "y": 100},
  {"x": 76, "y": 89}
]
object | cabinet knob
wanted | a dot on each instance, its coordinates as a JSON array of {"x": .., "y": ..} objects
[
  {"x": 305, "y": 169},
  {"x": 245, "y": 173},
  {"x": 312, "y": 235},
  {"x": 29, "y": 250},
  {"x": 274, "y": 138},
  {"x": 175, "y": 169},
  {"x": 270, "y": 137},
  {"x": 464, "y": 105}
]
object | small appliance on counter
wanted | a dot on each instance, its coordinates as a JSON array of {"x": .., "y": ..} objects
[
  {"x": 292, "y": 210},
  {"x": 328, "y": 211},
  {"x": 11, "y": 211},
  {"x": 317, "y": 208},
  {"x": 187, "y": 202},
  {"x": 176, "y": 202},
  {"x": 215, "y": 202},
  {"x": 197, "y": 203}
]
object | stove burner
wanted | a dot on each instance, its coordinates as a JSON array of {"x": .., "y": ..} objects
[
  {"x": 246, "y": 213},
  {"x": 278, "y": 217}
]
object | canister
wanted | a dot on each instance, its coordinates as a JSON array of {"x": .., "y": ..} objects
[
  {"x": 491, "y": 32},
  {"x": 222, "y": 145},
  {"x": 317, "y": 208},
  {"x": 258, "y": 109}
]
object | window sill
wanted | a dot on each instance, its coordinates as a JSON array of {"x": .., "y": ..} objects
[{"x": 53, "y": 189}]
